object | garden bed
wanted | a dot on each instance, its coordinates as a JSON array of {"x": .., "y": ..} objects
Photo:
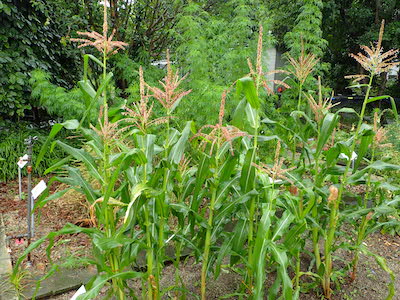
[{"x": 371, "y": 282}]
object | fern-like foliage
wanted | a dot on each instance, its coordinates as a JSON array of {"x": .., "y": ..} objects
[
  {"x": 212, "y": 45},
  {"x": 57, "y": 101},
  {"x": 308, "y": 31}
]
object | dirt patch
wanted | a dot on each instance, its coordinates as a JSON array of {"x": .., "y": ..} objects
[{"x": 52, "y": 217}]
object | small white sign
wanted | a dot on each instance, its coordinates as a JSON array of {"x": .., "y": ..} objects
[
  {"x": 344, "y": 156},
  {"x": 79, "y": 292},
  {"x": 38, "y": 189},
  {"x": 22, "y": 161}
]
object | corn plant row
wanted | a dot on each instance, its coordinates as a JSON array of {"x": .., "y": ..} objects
[{"x": 151, "y": 185}]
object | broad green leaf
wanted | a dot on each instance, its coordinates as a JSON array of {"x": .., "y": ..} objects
[
  {"x": 201, "y": 175},
  {"x": 135, "y": 193},
  {"x": 248, "y": 171},
  {"x": 177, "y": 150},
  {"x": 328, "y": 124},
  {"x": 383, "y": 166},
  {"x": 146, "y": 143},
  {"x": 358, "y": 85},
  {"x": 346, "y": 110},
  {"x": 367, "y": 136},
  {"x": 228, "y": 168},
  {"x": 246, "y": 85},
  {"x": 102, "y": 279},
  {"x": 373, "y": 99},
  {"x": 95, "y": 59},
  {"x": 281, "y": 226},
  {"x": 239, "y": 118},
  {"x": 297, "y": 114},
  {"x": 252, "y": 116},
  {"x": 279, "y": 255},
  {"x": 105, "y": 244},
  {"x": 239, "y": 239},
  {"x": 293, "y": 236},
  {"x": 69, "y": 124},
  {"x": 84, "y": 157},
  {"x": 77, "y": 180},
  {"x": 222, "y": 253},
  {"x": 88, "y": 91},
  {"x": 56, "y": 195},
  {"x": 98, "y": 93},
  {"x": 260, "y": 250},
  {"x": 57, "y": 165},
  {"x": 223, "y": 190}
]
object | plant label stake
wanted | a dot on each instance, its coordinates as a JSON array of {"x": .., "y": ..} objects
[
  {"x": 21, "y": 164},
  {"x": 36, "y": 191}
]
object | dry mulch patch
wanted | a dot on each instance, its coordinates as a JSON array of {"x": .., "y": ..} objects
[{"x": 52, "y": 217}]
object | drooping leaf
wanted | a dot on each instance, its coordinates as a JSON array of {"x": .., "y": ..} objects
[
  {"x": 84, "y": 157},
  {"x": 246, "y": 85}
]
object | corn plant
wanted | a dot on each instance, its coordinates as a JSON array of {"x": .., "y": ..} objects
[{"x": 151, "y": 186}]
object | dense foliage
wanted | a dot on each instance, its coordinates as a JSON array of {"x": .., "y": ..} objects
[
  {"x": 13, "y": 146},
  {"x": 197, "y": 33},
  {"x": 31, "y": 37},
  {"x": 169, "y": 157},
  {"x": 151, "y": 183}
]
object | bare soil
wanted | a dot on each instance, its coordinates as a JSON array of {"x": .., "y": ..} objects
[
  {"x": 370, "y": 284},
  {"x": 52, "y": 217}
]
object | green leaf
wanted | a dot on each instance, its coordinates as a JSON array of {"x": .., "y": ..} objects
[
  {"x": 95, "y": 59},
  {"x": 281, "y": 258},
  {"x": 252, "y": 116},
  {"x": 88, "y": 92},
  {"x": 146, "y": 143},
  {"x": 177, "y": 150},
  {"x": 57, "y": 165},
  {"x": 239, "y": 238},
  {"x": 383, "y": 166},
  {"x": 76, "y": 179},
  {"x": 260, "y": 250},
  {"x": 71, "y": 124},
  {"x": 201, "y": 175},
  {"x": 292, "y": 237},
  {"x": 135, "y": 193},
  {"x": 246, "y": 85},
  {"x": 102, "y": 279},
  {"x": 248, "y": 171},
  {"x": 84, "y": 157},
  {"x": 328, "y": 124},
  {"x": 282, "y": 224},
  {"x": 105, "y": 244},
  {"x": 239, "y": 118},
  {"x": 373, "y": 99},
  {"x": 367, "y": 136},
  {"x": 41, "y": 202}
]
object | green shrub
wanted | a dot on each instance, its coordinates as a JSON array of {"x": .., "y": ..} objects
[{"x": 12, "y": 147}]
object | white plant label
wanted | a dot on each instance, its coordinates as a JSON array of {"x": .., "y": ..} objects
[
  {"x": 38, "y": 189},
  {"x": 344, "y": 156},
  {"x": 79, "y": 292},
  {"x": 22, "y": 161}
]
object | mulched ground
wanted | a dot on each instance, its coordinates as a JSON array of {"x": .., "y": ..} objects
[
  {"x": 371, "y": 283},
  {"x": 53, "y": 216}
]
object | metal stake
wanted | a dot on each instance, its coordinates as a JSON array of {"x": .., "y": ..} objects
[
  {"x": 20, "y": 183},
  {"x": 30, "y": 217}
]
